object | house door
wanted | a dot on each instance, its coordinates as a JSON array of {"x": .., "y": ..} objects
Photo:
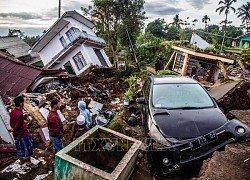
[
  {"x": 69, "y": 68},
  {"x": 100, "y": 57}
]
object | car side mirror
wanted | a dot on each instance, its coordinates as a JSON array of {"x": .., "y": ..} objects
[{"x": 141, "y": 100}]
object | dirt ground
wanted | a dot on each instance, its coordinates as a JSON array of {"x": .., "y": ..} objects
[{"x": 105, "y": 85}]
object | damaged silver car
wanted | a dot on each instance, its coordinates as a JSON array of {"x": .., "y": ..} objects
[{"x": 183, "y": 123}]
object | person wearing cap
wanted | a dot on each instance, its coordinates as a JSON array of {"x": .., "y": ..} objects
[
  {"x": 23, "y": 141},
  {"x": 85, "y": 113},
  {"x": 81, "y": 126},
  {"x": 55, "y": 126}
]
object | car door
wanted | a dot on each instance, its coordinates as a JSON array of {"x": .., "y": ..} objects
[{"x": 145, "y": 107}]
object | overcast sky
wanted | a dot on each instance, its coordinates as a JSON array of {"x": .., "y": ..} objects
[{"x": 34, "y": 16}]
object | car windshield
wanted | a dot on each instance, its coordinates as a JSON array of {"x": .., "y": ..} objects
[{"x": 182, "y": 96}]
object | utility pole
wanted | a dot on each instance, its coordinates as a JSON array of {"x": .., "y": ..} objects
[
  {"x": 59, "y": 9},
  {"x": 132, "y": 47}
]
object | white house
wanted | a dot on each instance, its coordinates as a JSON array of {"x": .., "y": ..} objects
[{"x": 71, "y": 44}]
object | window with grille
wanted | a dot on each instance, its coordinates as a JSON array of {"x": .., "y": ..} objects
[{"x": 79, "y": 61}]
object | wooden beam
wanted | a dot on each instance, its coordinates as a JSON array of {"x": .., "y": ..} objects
[
  {"x": 204, "y": 55},
  {"x": 170, "y": 60},
  {"x": 223, "y": 70},
  {"x": 185, "y": 65}
]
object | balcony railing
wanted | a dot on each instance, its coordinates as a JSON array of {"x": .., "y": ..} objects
[{"x": 84, "y": 36}]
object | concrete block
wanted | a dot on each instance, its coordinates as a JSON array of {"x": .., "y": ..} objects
[{"x": 100, "y": 153}]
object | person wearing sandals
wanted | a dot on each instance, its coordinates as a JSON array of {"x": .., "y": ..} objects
[{"x": 23, "y": 141}]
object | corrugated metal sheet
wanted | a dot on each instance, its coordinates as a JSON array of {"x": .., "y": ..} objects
[
  {"x": 15, "y": 46},
  {"x": 15, "y": 76}
]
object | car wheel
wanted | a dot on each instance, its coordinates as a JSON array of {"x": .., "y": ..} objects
[{"x": 149, "y": 144}]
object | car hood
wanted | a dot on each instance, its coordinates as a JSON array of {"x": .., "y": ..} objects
[{"x": 185, "y": 124}]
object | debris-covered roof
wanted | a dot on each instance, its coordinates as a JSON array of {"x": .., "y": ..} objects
[
  {"x": 15, "y": 76},
  {"x": 14, "y": 45}
]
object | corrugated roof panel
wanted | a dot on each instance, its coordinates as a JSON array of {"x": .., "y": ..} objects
[{"x": 15, "y": 77}]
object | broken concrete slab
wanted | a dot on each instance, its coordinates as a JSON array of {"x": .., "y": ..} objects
[
  {"x": 220, "y": 91},
  {"x": 18, "y": 169},
  {"x": 88, "y": 157},
  {"x": 5, "y": 124},
  {"x": 95, "y": 107}
]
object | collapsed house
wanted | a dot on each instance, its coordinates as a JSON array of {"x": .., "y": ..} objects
[
  {"x": 188, "y": 62},
  {"x": 16, "y": 76},
  {"x": 71, "y": 44},
  {"x": 19, "y": 49}
]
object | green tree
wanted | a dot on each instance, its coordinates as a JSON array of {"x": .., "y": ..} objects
[
  {"x": 157, "y": 28},
  {"x": 244, "y": 15},
  {"x": 31, "y": 40},
  {"x": 177, "y": 22},
  {"x": 16, "y": 32},
  {"x": 205, "y": 19},
  {"x": 172, "y": 33},
  {"x": 114, "y": 19},
  {"x": 226, "y": 6}
]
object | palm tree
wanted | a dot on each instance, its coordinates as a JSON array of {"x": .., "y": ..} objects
[
  {"x": 244, "y": 15},
  {"x": 226, "y": 5},
  {"x": 177, "y": 22},
  {"x": 205, "y": 19}
]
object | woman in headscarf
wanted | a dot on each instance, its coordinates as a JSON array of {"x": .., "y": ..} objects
[{"x": 85, "y": 112}]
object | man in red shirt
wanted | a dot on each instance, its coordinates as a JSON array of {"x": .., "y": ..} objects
[
  {"x": 55, "y": 126},
  {"x": 23, "y": 141}
]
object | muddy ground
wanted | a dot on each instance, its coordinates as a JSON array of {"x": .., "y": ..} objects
[{"x": 229, "y": 164}]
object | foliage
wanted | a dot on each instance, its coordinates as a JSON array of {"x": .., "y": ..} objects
[
  {"x": 205, "y": 19},
  {"x": 244, "y": 14},
  {"x": 16, "y": 32},
  {"x": 150, "y": 48},
  {"x": 31, "y": 40},
  {"x": 132, "y": 81},
  {"x": 177, "y": 22},
  {"x": 157, "y": 28},
  {"x": 115, "y": 19},
  {"x": 166, "y": 72},
  {"x": 245, "y": 55}
]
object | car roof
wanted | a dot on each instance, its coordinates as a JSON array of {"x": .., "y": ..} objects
[{"x": 172, "y": 80}]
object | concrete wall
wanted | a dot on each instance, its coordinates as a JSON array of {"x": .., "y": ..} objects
[{"x": 246, "y": 38}]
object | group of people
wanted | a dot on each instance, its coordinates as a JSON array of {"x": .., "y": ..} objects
[{"x": 23, "y": 140}]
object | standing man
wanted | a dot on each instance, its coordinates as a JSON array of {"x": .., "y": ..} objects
[
  {"x": 23, "y": 141},
  {"x": 55, "y": 126}
]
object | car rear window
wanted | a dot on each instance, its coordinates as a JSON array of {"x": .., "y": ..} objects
[{"x": 174, "y": 96}]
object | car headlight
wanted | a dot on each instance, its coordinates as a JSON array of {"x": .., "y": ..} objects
[
  {"x": 240, "y": 130},
  {"x": 157, "y": 136},
  {"x": 165, "y": 161}
]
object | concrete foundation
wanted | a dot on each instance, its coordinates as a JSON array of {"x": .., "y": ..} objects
[{"x": 100, "y": 153}]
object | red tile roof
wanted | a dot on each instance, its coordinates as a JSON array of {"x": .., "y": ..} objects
[{"x": 15, "y": 76}]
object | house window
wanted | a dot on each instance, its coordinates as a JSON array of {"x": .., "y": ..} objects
[
  {"x": 72, "y": 33},
  {"x": 79, "y": 61},
  {"x": 63, "y": 42},
  {"x": 100, "y": 57}
]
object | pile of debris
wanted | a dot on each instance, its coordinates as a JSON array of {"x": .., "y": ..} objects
[
  {"x": 237, "y": 98},
  {"x": 236, "y": 72},
  {"x": 234, "y": 161},
  {"x": 101, "y": 88}
]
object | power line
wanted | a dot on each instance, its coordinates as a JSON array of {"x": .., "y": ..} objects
[{"x": 213, "y": 34}]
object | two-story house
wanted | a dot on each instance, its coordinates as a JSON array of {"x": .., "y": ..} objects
[{"x": 71, "y": 44}]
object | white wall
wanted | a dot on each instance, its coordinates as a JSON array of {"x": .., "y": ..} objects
[
  {"x": 69, "y": 58},
  {"x": 55, "y": 46}
]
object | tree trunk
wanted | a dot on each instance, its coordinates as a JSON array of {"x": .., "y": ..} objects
[{"x": 223, "y": 40}]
